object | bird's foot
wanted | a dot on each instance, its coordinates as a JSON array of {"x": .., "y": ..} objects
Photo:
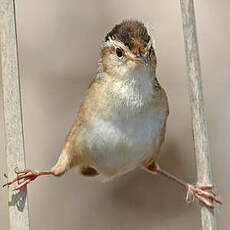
[
  {"x": 28, "y": 176},
  {"x": 200, "y": 193}
]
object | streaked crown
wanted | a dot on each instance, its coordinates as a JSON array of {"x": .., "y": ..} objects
[{"x": 133, "y": 34}]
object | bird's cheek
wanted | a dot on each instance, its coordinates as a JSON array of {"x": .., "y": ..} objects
[{"x": 122, "y": 70}]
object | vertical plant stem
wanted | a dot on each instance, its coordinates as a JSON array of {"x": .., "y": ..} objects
[
  {"x": 199, "y": 124},
  {"x": 13, "y": 129}
]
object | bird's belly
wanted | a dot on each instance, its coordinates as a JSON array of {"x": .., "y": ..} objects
[{"x": 116, "y": 146}]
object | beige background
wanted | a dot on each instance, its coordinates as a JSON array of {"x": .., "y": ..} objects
[{"x": 59, "y": 44}]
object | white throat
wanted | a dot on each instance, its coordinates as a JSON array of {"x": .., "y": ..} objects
[{"x": 133, "y": 91}]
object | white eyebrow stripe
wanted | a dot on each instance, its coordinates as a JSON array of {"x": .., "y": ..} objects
[
  {"x": 118, "y": 44},
  {"x": 115, "y": 43}
]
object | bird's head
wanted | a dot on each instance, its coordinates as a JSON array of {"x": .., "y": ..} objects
[{"x": 127, "y": 47}]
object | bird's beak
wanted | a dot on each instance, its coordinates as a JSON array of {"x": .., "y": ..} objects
[{"x": 140, "y": 59}]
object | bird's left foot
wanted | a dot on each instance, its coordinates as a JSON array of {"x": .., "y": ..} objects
[
  {"x": 199, "y": 192},
  {"x": 203, "y": 196},
  {"x": 28, "y": 176}
]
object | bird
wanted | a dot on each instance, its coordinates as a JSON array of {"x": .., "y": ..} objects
[{"x": 121, "y": 123}]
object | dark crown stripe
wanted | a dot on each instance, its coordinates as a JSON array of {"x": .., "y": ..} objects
[{"x": 128, "y": 32}]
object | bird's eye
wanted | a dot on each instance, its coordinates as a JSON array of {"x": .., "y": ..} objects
[
  {"x": 119, "y": 52},
  {"x": 147, "y": 39},
  {"x": 151, "y": 51}
]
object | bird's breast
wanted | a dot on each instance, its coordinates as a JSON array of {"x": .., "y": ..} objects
[
  {"x": 127, "y": 130},
  {"x": 117, "y": 144}
]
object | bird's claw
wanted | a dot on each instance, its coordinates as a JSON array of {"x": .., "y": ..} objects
[
  {"x": 203, "y": 196},
  {"x": 27, "y": 175}
]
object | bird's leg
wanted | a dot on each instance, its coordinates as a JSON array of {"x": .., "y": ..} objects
[
  {"x": 64, "y": 163},
  {"x": 198, "y": 191},
  {"x": 28, "y": 176}
]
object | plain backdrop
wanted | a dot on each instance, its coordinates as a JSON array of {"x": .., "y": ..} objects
[{"x": 59, "y": 44}]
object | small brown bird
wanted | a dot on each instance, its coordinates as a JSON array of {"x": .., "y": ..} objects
[{"x": 121, "y": 122}]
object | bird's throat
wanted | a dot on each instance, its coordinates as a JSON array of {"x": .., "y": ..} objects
[{"x": 133, "y": 91}]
